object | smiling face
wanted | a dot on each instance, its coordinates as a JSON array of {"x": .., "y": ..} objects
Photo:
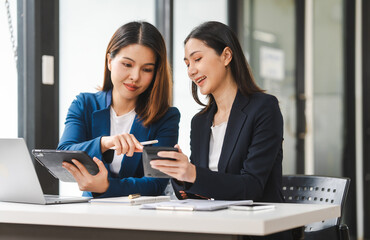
[
  {"x": 132, "y": 71},
  {"x": 206, "y": 68}
]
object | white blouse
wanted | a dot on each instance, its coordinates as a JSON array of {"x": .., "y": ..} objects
[
  {"x": 215, "y": 145},
  {"x": 119, "y": 125}
]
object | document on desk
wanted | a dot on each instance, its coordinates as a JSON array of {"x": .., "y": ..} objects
[
  {"x": 129, "y": 201},
  {"x": 194, "y": 205}
]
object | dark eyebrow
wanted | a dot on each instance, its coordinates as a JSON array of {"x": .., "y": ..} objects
[
  {"x": 129, "y": 59},
  {"x": 149, "y": 64},
  {"x": 152, "y": 64},
  {"x": 191, "y": 54}
]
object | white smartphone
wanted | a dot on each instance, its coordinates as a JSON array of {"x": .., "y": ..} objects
[{"x": 252, "y": 207}]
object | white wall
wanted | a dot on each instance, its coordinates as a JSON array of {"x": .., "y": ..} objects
[
  {"x": 187, "y": 15},
  {"x": 86, "y": 27},
  {"x": 8, "y": 74}
]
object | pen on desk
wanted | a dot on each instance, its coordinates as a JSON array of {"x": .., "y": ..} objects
[
  {"x": 142, "y": 143},
  {"x": 132, "y": 196}
]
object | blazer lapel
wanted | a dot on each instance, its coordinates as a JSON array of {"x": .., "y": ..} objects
[
  {"x": 101, "y": 118},
  {"x": 235, "y": 123},
  {"x": 101, "y": 123},
  {"x": 139, "y": 131},
  {"x": 204, "y": 137}
]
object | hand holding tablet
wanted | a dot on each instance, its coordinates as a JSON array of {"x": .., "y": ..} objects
[{"x": 53, "y": 159}]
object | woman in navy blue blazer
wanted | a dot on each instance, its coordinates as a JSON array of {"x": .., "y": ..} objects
[
  {"x": 236, "y": 140},
  {"x": 132, "y": 106}
]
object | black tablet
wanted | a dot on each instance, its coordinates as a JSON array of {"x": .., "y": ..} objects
[
  {"x": 150, "y": 153},
  {"x": 52, "y": 160}
]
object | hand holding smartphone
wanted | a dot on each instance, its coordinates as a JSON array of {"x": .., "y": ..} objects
[{"x": 149, "y": 154}]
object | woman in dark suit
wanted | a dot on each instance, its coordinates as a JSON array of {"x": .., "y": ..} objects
[{"x": 236, "y": 140}]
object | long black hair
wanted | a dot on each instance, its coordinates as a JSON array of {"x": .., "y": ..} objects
[{"x": 218, "y": 36}]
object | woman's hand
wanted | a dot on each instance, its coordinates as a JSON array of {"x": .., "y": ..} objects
[
  {"x": 86, "y": 182},
  {"x": 123, "y": 144},
  {"x": 181, "y": 168}
]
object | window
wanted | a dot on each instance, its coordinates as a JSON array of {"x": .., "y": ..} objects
[
  {"x": 270, "y": 49},
  {"x": 8, "y": 70}
]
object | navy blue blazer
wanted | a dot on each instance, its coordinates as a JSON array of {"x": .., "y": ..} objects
[
  {"x": 250, "y": 165},
  {"x": 88, "y": 119}
]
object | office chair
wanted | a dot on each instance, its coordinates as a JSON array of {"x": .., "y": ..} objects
[{"x": 318, "y": 190}]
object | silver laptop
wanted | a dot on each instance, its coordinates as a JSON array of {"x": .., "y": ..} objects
[{"x": 18, "y": 178}]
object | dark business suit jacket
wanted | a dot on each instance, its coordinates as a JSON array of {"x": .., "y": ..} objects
[
  {"x": 250, "y": 165},
  {"x": 250, "y": 162}
]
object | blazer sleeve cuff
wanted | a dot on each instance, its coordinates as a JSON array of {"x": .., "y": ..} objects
[
  {"x": 185, "y": 190},
  {"x": 111, "y": 191},
  {"x": 201, "y": 177}
]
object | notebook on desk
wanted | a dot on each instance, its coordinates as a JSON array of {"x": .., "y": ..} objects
[
  {"x": 195, "y": 205},
  {"x": 18, "y": 178},
  {"x": 128, "y": 201}
]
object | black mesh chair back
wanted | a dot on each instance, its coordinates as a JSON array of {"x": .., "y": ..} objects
[{"x": 316, "y": 190}]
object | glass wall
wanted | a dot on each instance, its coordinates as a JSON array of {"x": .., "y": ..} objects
[
  {"x": 187, "y": 15},
  {"x": 86, "y": 27},
  {"x": 268, "y": 36},
  {"x": 8, "y": 70},
  {"x": 328, "y": 86}
]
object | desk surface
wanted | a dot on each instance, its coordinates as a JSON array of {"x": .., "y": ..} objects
[{"x": 284, "y": 216}]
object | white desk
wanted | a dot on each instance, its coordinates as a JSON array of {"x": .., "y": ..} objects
[{"x": 94, "y": 220}]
